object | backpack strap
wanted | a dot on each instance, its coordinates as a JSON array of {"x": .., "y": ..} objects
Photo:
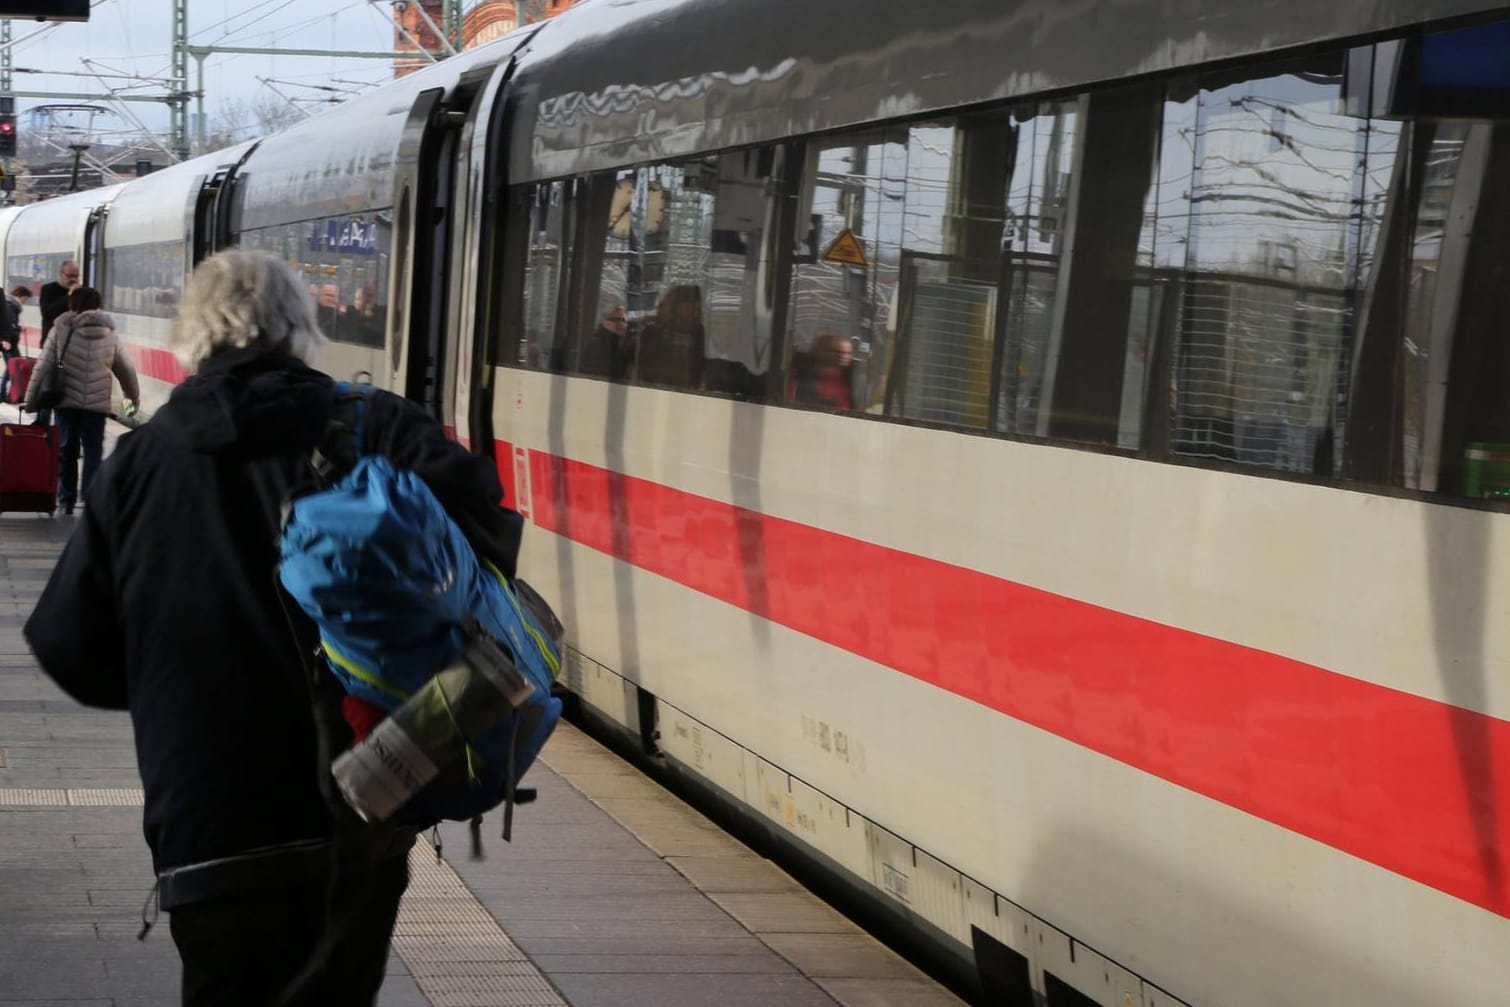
[
  {"x": 351, "y": 871},
  {"x": 344, "y": 441}
]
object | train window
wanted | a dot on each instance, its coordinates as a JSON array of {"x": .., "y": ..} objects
[
  {"x": 350, "y": 256},
  {"x": 1270, "y": 260},
  {"x": 35, "y": 270},
  {"x": 1044, "y": 140},
  {"x": 608, "y": 349},
  {"x": 942, "y": 253},
  {"x": 145, "y": 279},
  {"x": 675, "y": 262},
  {"x": 676, "y": 211},
  {"x": 1081, "y": 296},
  {"x": 841, "y": 326},
  {"x": 1430, "y": 402},
  {"x": 894, "y": 306},
  {"x": 546, "y": 254},
  {"x": 344, "y": 262}
]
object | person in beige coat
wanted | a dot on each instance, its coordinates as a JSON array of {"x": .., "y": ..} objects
[{"x": 84, "y": 337}]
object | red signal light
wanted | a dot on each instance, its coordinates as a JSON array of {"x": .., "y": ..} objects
[{"x": 7, "y": 127}]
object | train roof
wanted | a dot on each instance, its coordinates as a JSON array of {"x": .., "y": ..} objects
[
  {"x": 618, "y": 82},
  {"x": 57, "y": 225},
  {"x": 342, "y": 161},
  {"x": 158, "y": 206}
]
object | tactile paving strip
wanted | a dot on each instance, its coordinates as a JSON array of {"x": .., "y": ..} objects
[
  {"x": 455, "y": 950},
  {"x": 106, "y": 797},
  {"x": 96, "y": 797}
]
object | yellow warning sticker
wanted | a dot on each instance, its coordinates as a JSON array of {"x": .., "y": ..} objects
[{"x": 845, "y": 249}]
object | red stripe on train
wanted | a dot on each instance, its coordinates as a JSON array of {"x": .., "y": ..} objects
[
  {"x": 1419, "y": 787},
  {"x": 149, "y": 361},
  {"x": 152, "y": 362}
]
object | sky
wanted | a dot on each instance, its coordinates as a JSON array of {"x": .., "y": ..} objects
[{"x": 134, "y": 37}]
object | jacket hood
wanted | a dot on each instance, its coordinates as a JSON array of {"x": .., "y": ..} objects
[
  {"x": 90, "y": 324},
  {"x": 249, "y": 402}
]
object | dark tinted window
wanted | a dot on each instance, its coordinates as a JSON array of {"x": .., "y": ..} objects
[{"x": 1431, "y": 411}]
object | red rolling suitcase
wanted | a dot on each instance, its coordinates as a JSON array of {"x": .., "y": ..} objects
[
  {"x": 20, "y": 376},
  {"x": 28, "y": 467}
]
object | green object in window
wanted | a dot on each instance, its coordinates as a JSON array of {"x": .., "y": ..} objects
[{"x": 1486, "y": 471}]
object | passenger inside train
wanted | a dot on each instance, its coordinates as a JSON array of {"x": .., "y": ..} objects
[{"x": 672, "y": 349}]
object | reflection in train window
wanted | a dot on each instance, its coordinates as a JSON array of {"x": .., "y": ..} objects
[
  {"x": 1078, "y": 332},
  {"x": 1042, "y": 159},
  {"x": 606, "y": 348},
  {"x": 1431, "y": 403},
  {"x": 145, "y": 279},
  {"x": 344, "y": 262},
  {"x": 34, "y": 270},
  {"x": 546, "y": 252},
  {"x": 677, "y": 274},
  {"x": 842, "y": 289},
  {"x": 1271, "y": 163}
]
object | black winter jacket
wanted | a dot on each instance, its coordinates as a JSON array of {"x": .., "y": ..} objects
[
  {"x": 52, "y": 301},
  {"x": 164, "y": 601}
]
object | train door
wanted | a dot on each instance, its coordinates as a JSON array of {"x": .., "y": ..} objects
[
  {"x": 425, "y": 219},
  {"x": 480, "y": 184},
  {"x": 92, "y": 265},
  {"x": 208, "y": 229},
  {"x": 415, "y": 207}
]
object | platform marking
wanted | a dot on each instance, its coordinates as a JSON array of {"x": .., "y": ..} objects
[
  {"x": 93, "y": 797},
  {"x": 456, "y": 952}
]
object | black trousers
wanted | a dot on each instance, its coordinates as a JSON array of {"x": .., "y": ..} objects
[{"x": 245, "y": 950}]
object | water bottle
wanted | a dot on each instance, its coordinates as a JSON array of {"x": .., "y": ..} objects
[{"x": 429, "y": 732}]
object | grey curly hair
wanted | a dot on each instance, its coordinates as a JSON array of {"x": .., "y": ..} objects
[{"x": 237, "y": 299}]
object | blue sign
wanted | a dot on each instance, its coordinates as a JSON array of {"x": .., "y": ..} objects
[{"x": 353, "y": 236}]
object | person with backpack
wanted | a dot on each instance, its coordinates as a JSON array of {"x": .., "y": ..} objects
[
  {"x": 166, "y": 602},
  {"x": 87, "y": 353}
]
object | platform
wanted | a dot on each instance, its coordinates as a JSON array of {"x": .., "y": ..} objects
[{"x": 613, "y": 894}]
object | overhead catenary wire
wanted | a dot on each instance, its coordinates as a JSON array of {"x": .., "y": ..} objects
[{"x": 128, "y": 75}]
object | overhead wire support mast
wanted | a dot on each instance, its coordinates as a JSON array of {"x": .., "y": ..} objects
[
  {"x": 7, "y": 97},
  {"x": 451, "y": 21},
  {"x": 178, "y": 99}
]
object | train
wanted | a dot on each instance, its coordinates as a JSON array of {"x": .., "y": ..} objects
[{"x": 1044, "y": 462}]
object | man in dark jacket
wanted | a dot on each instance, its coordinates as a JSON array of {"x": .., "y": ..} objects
[
  {"x": 165, "y": 603},
  {"x": 53, "y": 299}
]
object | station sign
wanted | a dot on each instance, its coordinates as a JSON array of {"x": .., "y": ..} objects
[{"x": 352, "y": 236}]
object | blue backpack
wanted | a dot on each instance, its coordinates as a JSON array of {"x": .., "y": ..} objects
[{"x": 394, "y": 588}]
